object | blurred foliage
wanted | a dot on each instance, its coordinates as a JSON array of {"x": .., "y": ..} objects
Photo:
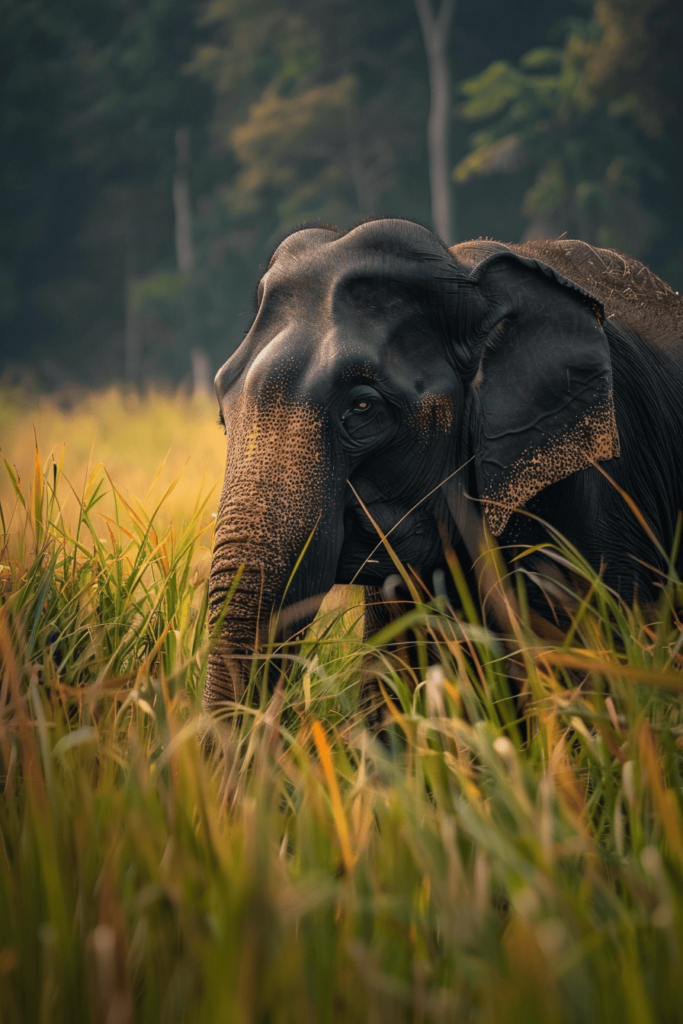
[
  {"x": 587, "y": 164},
  {"x": 580, "y": 119},
  {"x": 300, "y": 111},
  {"x": 328, "y": 120},
  {"x": 291, "y": 145}
]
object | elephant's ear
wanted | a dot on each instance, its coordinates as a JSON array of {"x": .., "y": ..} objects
[{"x": 542, "y": 396}]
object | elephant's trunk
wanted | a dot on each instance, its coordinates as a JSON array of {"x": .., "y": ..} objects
[
  {"x": 271, "y": 503},
  {"x": 245, "y": 624}
]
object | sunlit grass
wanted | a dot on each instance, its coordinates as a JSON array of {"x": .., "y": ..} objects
[
  {"x": 485, "y": 860},
  {"x": 145, "y": 443}
]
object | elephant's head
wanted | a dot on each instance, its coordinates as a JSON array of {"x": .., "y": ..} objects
[{"x": 375, "y": 366}]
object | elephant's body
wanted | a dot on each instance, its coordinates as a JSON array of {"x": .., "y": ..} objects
[
  {"x": 627, "y": 289},
  {"x": 644, "y": 328},
  {"x": 389, "y": 385}
]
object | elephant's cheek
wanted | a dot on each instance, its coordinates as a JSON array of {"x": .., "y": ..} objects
[{"x": 275, "y": 485}]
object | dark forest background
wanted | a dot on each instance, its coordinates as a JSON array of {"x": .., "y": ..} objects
[{"x": 153, "y": 153}]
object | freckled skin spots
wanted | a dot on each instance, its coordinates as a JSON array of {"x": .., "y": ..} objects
[
  {"x": 379, "y": 358},
  {"x": 252, "y": 437},
  {"x": 593, "y": 439},
  {"x": 275, "y": 483},
  {"x": 433, "y": 412}
]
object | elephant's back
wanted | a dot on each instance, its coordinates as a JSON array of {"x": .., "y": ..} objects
[{"x": 628, "y": 290}]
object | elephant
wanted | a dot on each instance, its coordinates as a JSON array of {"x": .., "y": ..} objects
[{"x": 389, "y": 385}]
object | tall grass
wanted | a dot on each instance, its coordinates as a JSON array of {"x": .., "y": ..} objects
[
  {"x": 145, "y": 443},
  {"x": 484, "y": 860}
]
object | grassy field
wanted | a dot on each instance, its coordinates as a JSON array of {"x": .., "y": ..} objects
[{"x": 480, "y": 864}]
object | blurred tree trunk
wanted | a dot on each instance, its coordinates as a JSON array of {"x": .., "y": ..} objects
[
  {"x": 202, "y": 383},
  {"x": 132, "y": 331},
  {"x": 181, "y": 202},
  {"x": 184, "y": 247},
  {"x": 435, "y": 31},
  {"x": 364, "y": 193}
]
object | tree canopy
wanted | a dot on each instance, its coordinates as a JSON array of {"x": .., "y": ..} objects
[{"x": 154, "y": 153}]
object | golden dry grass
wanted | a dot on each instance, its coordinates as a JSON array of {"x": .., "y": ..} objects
[
  {"x": 141, "y": 445},
  {"x": 145, "y": 443},
  {"x": 470, "y": 867}
]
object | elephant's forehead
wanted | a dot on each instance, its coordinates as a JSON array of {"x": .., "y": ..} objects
[
  {"x": 318, "y": 273},
  {"x": 364, "y": 331},
  {"x": 298, "y": 359},
  {"x": 315, "y": 261},
  {"x": 385, "y": 237},
  {"x": 338, "y": 309}
]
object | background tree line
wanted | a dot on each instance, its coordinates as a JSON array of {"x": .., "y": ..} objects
[{"x": 153, "y": 153}]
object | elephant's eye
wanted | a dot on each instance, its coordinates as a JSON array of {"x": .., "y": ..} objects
[
  {"x": 365, "y": 414},
  {"x": 360, "y": 400}
]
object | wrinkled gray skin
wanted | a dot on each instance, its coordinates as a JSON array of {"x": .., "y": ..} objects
[{"x": 378, "y": 363}]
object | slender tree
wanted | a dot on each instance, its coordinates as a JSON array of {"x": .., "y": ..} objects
[
  {"x": 182, "y": 203},
  {"x": 132, "y": 333},
  {"x": 435, "y": 27}
]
